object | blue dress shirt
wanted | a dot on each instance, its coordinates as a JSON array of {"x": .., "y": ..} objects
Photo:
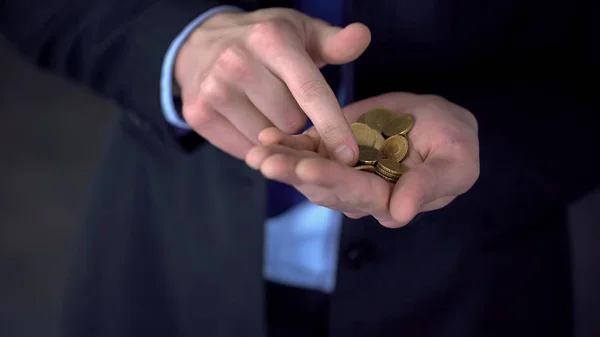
[{"x": 301, "y": 244}]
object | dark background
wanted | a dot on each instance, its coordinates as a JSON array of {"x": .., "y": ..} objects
[{"x": 51, "y": 137}]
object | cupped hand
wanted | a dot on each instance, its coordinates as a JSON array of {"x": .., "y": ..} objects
[
  {"x": 443, "y": 161},
  {"x": 240, "y": 73}
]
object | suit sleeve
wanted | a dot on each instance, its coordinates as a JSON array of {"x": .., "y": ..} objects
[{"x": 114, "y": 47}]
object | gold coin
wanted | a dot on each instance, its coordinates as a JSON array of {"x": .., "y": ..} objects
[
  {"x": 391, "y": 168},
  {"x": 395, "y": 148},
  {"x": 362, "y": 133},
  {"x": 384, "y": 174},
  {"x": 377, "y": 118},
  {"x": 366, "y": 168},
  {"x": 379, "y": 140},
  {"x": 361, "y": 119},
  {"x": 386, "y": 178},
  {"x": 400, "y": 125},
  {"x": 368, "y": 155}
]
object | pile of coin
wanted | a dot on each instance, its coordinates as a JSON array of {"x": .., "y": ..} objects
[{"x": 382, "y": 142}]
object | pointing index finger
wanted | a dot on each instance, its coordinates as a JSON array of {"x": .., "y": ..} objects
[
  {"x": 292, "y": 64},
  {"x": 320, "y": 104}
]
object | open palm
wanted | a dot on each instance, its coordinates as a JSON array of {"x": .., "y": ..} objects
[{"x": 443, "y": 161}]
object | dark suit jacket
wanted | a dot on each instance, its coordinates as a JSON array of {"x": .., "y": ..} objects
[{"x": 173, "y": 241}]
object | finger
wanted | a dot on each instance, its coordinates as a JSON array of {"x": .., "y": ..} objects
[
  {"x": 234, "y": 106},
  {"x": 270, "y": 136},
  {"x": 365, "y": 192},
  {"x": 280, "y": 167},
  {"x": 271, "y": 96},
  {"x": 288, "y": 59},
  {"x": 278, "y": 162},
  {"x": 435, "y": 178},
  {"x": 390, "y": 223},
  {"x": 259, "y": 154},
  {"x": 297, "y": 142},
  {"x": 333, "y": 45},
  {"x": 281, "y": 164},
  {"x": 314, "y": 135},
  {"x": 217, "y": 130},
  {"x": 264, "y": 90}
]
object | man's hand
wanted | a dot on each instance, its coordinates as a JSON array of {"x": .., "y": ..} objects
[
  {"x": 242, "y": 73},
  {"x": 443, "y": 159}
]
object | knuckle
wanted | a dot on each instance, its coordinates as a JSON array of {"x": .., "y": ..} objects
[
  {"x": 234, "y": 63},
  {"x": 197, "y": 118},
  {"x": 314, "y": 90},
  {"x": 213, "y": 90},
  {"x": 267, "y": 33},
  {"x": 329, "y": 133}
]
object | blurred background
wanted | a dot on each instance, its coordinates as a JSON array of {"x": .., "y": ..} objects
[{"x": 51, "y": 138}]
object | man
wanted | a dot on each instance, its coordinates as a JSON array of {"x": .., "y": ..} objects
[{"x": 178, "y": 224}]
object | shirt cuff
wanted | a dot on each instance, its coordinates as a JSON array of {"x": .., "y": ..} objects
[{"x": 166, "y": 80}]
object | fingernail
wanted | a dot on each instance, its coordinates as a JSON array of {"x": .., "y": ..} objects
[{"x": 344, "y": 154}]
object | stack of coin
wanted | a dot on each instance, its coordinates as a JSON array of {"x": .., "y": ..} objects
[{"x": 382, "y": 142}]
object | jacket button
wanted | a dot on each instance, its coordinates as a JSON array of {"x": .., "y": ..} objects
[{"x": 359, "y": 253}]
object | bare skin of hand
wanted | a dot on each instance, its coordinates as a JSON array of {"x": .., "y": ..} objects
[
  {"x": 443, "y": 159},
  {"x": 241, "y": 73}
]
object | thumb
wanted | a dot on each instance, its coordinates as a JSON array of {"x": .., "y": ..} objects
[{"x": 328, "y": 44}]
